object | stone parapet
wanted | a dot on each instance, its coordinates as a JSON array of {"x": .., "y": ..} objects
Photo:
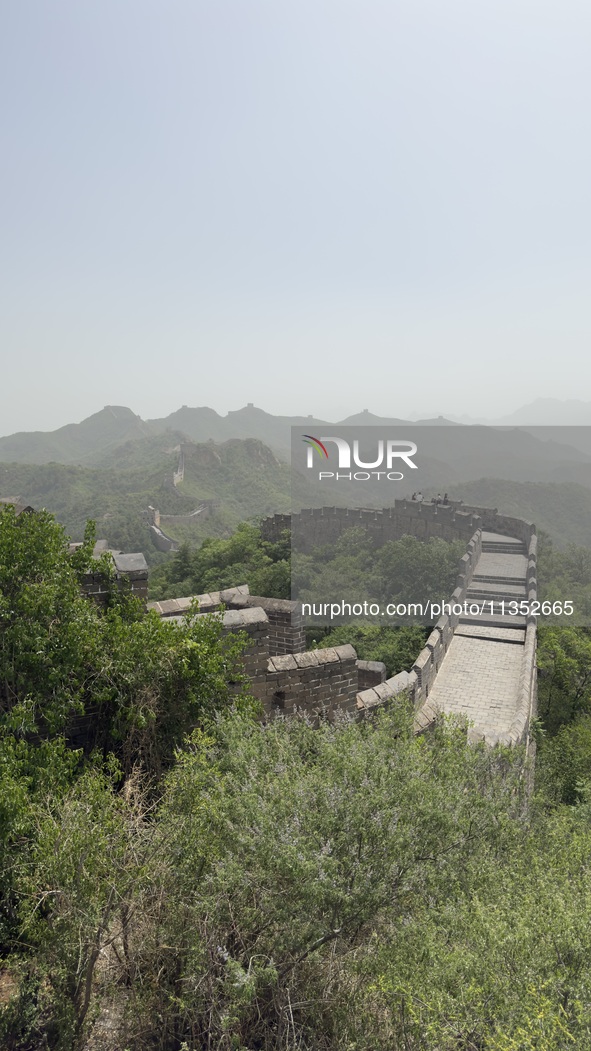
[
  {"x": 131, "y": 571},
  {"x": 208, "y": 603},
  {"x": 286, "y": 630},
  {"x": 322, "y": 683},
  {"x": 430, "y": 658},
  {"x": 318, "y": 526},
  {"x": 370, "y": 673},
  {"x": 318, "y": 683},
  {"x": 255, "y": 658},
  {"x": 371, "y": 700}
]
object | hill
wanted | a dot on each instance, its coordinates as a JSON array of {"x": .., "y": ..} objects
[
  {"x": 113, "y": 466},
  {"x": 76, "y": 441},
  {"x": 243, "y": 478},
  {"x": 561, "y": 510},
  {"x": 98, "y": 440}
]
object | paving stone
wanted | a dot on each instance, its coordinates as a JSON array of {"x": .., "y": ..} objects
[{"x": 480, "y": 675}]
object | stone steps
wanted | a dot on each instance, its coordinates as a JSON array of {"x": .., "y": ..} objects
[
  {"x": 494, "y": 620},
  {"x": 481, "y": 676},
  {"x": 501, "y": 590},
  {"x": 505, "y": 549},
  {"x": 496, "y": 596},
  {"x": 479, "y": 578}
]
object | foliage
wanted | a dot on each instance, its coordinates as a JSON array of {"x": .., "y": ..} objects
[
  {"x": 565, "y": 575},
  {"x": 564, "y": 680},
  {"x": 47, "y": 628},
  {"x": 500, "y": 962},
  {"x": 245, "y": 558},
  {"x": 351, "y": 886},
  {"x": 121, "y": 681},
  {"x": 242, "y": 477},
  {"x": 397, "y": 647},
  {"x": 564, "y": 768},
  {"x": 75, "y": 892},
  {"x": 561, "y": 509},
  {"x": 353, "y": 570},
  {"x": 347, "y": 888},
  {"x": 283, "y": 850},
  {"x": 60, "y": 658}
]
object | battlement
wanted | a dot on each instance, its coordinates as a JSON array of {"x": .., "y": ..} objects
[
  {"x": 318, "y": 526},
  {"x": 333, "y": 683},
  {"x": 131, "y": 572}
]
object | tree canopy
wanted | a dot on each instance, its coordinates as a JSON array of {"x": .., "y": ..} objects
[{"x": 175, "y": 874}]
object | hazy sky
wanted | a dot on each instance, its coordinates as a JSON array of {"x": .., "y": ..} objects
[{"x": 318, "y": 206}]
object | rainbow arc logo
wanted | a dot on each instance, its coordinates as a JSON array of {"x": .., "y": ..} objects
[
  {"x": 388, "y": 450},
  {"x": 315, "y": 444}
]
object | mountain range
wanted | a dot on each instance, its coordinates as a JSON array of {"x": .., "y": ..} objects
[
  {"x": 113, "y": 465},
  {"x": 104, "y": 438}
]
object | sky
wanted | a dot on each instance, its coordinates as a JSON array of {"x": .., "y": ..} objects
[{"x": 317, "y": 207}]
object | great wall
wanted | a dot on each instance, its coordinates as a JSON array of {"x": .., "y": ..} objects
[
  {"x": 483, "y": 669},
  {"x": 480, "y": 668},
  {"x": 157, "y": 521}
]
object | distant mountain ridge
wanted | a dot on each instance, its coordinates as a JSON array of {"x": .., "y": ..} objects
[
  {"x": 111, "y": 466},
  {"x": 242, "y": 477},
  {"x": 90, "y": 442},
  {"x": 116, "y": 436},
  {"x": 542, "y": 412},
  {"x": 76, "y": 442}
]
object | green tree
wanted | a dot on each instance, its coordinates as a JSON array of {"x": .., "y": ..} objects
[
  {"x": 47, "y": 628},
  {"x": 397, "y": 647},
  {"x": 121, "y": 682},
  {"x": 244, "y": 558},
  {"x": 564, "y": 680},
  {"x": 289, "y": 847},
  {"x": 61, "y": 658}
]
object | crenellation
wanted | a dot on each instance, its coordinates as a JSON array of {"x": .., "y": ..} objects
[{"x": 326, "y": 683}]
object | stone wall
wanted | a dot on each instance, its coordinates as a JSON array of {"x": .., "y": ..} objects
[
  {"x": 427, "y": 664},
  {"x": 157, "y": 521},
  {"x": 131, "y": 572},
  {"x": 208, "y": 603},
  {"x": 316, "y": 527},
  {"x": 321, "y": 526},
  {"x": 370, "y": 674},
  {"x": 315, "y": 683},
  {"x": 528, "y": 684},
  {"x": 494, "y": 522},
  {"x": 203, "y": 511},
  {"x": 320, "y": 683},
  {"x": 179, "y": 474},
  {"x": 369, "y": 701},
  {"x": 161, "y": 541},
  {"x": 255, "y": 658},
  {"x": 286, "y": 631},
  {"x": 326, "y": 682}
]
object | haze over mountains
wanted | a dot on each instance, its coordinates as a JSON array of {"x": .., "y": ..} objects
[
  {"x": 94, "y": 441},
  {"x": 113, "y": 464},
  {"x": 542, "y": 412}
]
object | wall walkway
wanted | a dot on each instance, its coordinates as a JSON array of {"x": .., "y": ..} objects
[
  {"x": 481, "y": 667},
  {"x": 486, "y": 675}
]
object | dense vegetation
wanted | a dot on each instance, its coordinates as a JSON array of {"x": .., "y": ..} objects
[
  {"x": 561, "y": 509},
  {"x": 188, "y": 878},
  {"x": 352, "y": 569},
  {"x": 122, "y": 684},
  {"x": 243, "y": 558},
  {"x": 397, "y": 647},
  {"x": 242, "y": 478},
  {"x": 565, "y": 574},
  {"x": 402, "y": 570}
]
